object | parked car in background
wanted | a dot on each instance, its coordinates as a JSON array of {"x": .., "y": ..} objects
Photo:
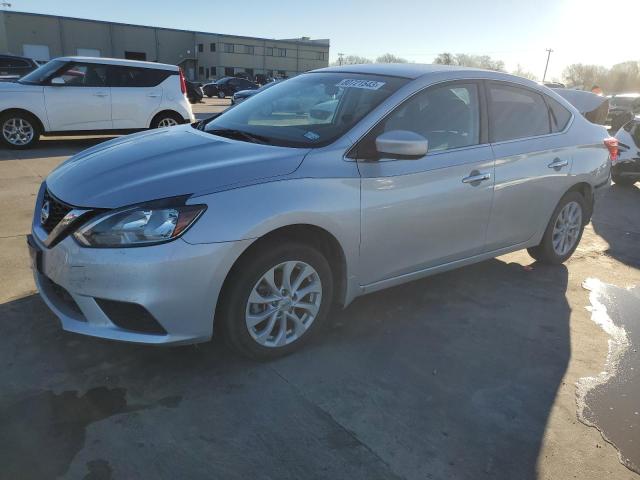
[
  {"x": 194, "y": 92},
  {"x": 625, "y": 169},
  {"x": 70, "y": 95},
  {"x": 242, "y": 95},
  {"x": 227, "y": 86},
  {"x": 265, "y": 216},
  {"x": 594, "y": 108},
  {"x": 622, "y": 109},
  {"x": 12, "y": 67}
]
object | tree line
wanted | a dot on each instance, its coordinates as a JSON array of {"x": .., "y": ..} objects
[{"x": 620, "y": 78}]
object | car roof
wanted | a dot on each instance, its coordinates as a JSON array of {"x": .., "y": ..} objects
[
  {"x": 8, "y": 55},
  {"x": 404, "y": 70},
  {"x": 120, "y": 61}
]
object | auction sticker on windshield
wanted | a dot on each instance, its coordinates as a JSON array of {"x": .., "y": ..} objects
[{"x": 353, "y": 83}]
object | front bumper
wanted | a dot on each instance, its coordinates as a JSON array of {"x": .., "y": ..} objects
[{"x": 177, "y": 283}]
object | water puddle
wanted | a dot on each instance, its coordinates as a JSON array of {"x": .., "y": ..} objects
[
  {"x": 610, "y": 401},
  {"x": 41, "y": 434}
]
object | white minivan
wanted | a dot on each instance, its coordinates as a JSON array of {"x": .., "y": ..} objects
[{"x": 80, "y": 95}]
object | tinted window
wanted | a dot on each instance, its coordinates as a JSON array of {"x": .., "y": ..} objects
[
  {"x": 516, "y": 113},
  {"x": 137, "y": 77},
  {"x": 448, "y": 117},
  {"x": 84, "y": 75},
  {"x": 560, "y": 116}
]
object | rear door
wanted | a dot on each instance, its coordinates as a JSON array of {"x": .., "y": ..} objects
[
  {"x": 532, "y": 161},
  {"x": 136, "y": 95},
  {"x": 82, "y": 102},
  {"x": 425, "y": 212}
]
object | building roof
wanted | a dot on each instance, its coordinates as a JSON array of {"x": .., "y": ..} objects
[
  {"x": 300, "y": 41},
  {"x": 120, "y": 61}
]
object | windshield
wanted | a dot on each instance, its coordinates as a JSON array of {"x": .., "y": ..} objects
[
  {"x": 41, "y": 73},
  {"x": 311, "y": 110}
]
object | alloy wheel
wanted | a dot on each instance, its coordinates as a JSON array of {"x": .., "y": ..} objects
[
  {"x": 566, "y": 229},
  {"x": 283, "y": 303},
  {"x": 18, "y": 131},
  {"x": 167, "y": 122}
]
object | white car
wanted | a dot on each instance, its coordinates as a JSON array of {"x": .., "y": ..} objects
[{"x": 79, "y": 95}]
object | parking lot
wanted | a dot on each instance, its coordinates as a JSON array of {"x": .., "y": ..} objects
[{"x": 468, "y": 374}]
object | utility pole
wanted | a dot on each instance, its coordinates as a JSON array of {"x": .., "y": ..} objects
[
  {"x": 340, "y": 55},
  {"x": 548, "y": 50}
]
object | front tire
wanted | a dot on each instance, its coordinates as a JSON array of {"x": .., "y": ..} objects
[
  {"x": 221, "y": 94},
  {"x": 19, "y": 130},
  {"x": 564, "y": 231},
  {"x": 276, "y": 298}
]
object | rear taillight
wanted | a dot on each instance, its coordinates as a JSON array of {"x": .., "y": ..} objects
[
  {"x": 612, "y": 145},
  {"x": 183, "y": 82}
]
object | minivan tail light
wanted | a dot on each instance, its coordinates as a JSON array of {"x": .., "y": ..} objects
[
  {"x": 183, "y": 83},
  {"x": 612, "y": 145}
]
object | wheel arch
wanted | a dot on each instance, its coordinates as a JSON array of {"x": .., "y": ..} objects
[
  {"x": 308, "y": 234},
  {"x": 586, "y": 190},
  {"x": 40, "y": 124},
  {"x": 164, "y": 112}
]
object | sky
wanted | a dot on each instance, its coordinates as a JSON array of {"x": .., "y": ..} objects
[{"x": 515, "y": 31}]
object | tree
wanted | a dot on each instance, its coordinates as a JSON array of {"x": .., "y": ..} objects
[
  {"x": 583, "y": 76},
  {"x": 521, "y": 72},
  {"x": 467, "y": 60},
  {"x": 445, "y": 59},
  {"x": 390, "y": 58},
  {"x": 352, "y": 60}
]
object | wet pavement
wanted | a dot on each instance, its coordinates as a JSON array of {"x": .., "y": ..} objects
[
  {"x": 611, "y": 401},
  {"x": 465, "y": 375}
]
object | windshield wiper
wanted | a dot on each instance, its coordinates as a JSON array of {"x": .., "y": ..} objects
[{"x": 240, "y": 135}]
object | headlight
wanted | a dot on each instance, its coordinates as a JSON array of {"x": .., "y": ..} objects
[{"x": 138, "y": 226}]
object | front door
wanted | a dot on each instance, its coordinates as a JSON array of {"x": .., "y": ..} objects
[
  {"x": 429, "y": 211},
  {"x": 82, "y": 102}
]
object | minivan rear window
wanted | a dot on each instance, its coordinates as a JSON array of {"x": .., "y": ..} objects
[
  {"x": 121, "y": 76},
  {"x": 516, "y": 113}
]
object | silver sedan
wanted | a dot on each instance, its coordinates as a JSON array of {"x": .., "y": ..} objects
[{"x": 331, "y": 185}]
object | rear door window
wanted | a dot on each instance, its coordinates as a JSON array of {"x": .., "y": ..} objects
[
  {"x": 121, "y": 76},
  {"x": 516, "y": 112}
]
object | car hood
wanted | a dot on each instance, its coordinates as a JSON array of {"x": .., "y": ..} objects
[
  {"x": 165, "y": 163},
  {"x": 15, "y": 87}
]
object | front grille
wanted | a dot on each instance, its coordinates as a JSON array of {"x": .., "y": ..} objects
[{"x": 57, "y": 211}]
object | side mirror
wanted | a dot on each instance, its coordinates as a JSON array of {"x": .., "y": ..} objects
[
  {"x": 57, "y": 81},
  {"x": 402, "y": 143}
]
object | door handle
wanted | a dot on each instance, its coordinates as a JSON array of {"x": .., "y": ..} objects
[
  {"x": 476, "y": 177},
  {"x": 558, "y": 164},
  {"x": 153, "y": 95},
  {"x": 101, "y": 94}
]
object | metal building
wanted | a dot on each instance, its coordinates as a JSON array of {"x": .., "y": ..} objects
[{"x": 202, "y": 55}]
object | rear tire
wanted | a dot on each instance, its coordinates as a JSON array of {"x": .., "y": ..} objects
[
  {"x": 243, "y": 304},
  {"x": 564, "y": 231},
  {"x": 166, "y": 119},
  {"x": 221, "y": 94},
  {"x": 623, "y": 181},
  {"x": 19, "y": 130}
]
